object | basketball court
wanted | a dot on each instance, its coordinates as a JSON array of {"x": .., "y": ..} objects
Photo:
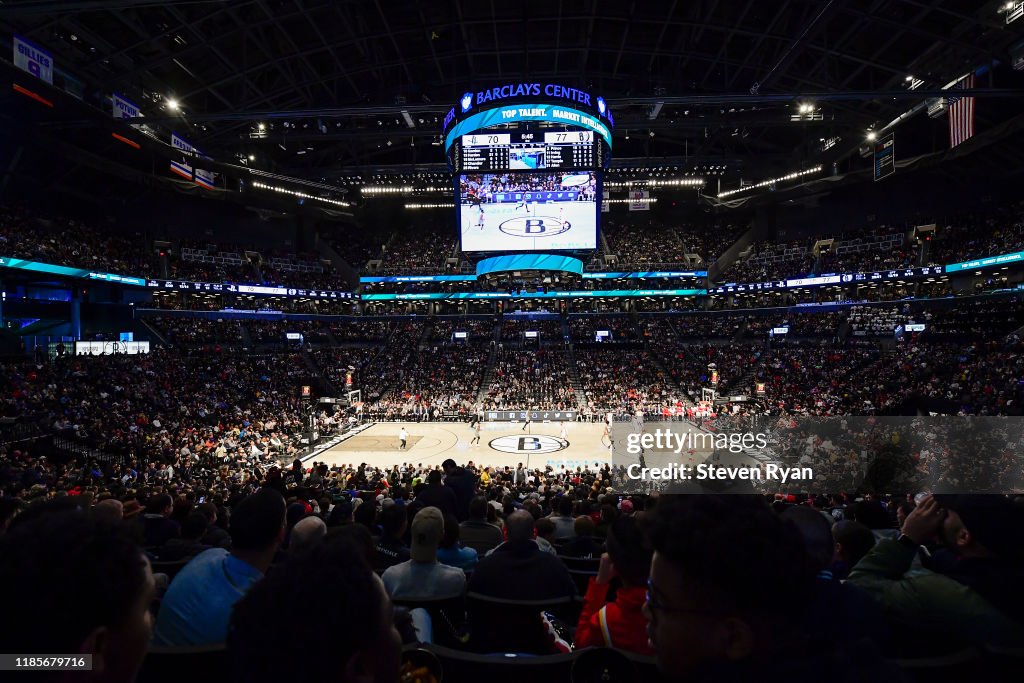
[{"x": 501, "y": 444}]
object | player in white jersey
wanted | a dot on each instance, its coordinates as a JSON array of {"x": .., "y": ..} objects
[{"x": 480, "y": 218}]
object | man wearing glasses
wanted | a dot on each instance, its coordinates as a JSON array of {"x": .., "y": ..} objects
[{"x": 730, "y": 585}]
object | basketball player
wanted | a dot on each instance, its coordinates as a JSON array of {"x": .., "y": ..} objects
[
  {"x": 563, "y": 434},
  {"x": 528, "y": 421},
  {"x": 480, "y": 218},
  {"x": 403, "y": 438},
  {"x": 476, "y": 434},
  {"x": 522, "y": 205}
]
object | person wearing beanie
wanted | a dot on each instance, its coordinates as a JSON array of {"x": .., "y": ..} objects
[{"x": 422, "y": 577}]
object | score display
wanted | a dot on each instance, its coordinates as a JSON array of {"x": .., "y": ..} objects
[{"x": 528, "y": 151}]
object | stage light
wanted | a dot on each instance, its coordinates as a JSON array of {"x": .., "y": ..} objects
[
  {"x": 252, "y": 157},
  {"x": 261, "y": 126},
  {"x": 872, "y": 135},
  {"x": 172, "y": 104}
]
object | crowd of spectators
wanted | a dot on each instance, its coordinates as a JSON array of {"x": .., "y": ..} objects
[
  {"x": 63, "y": 240},
  {"x": 616, "y": 379},
  {"x": 421, "y": 252},
  {"x": 526, "y": 378},
  {"x": 641, "y": 246}
]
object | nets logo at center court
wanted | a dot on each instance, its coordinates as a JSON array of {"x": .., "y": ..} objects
[
  {"x": 534, "y": 226},
  {"x": 534, "y": 445}
]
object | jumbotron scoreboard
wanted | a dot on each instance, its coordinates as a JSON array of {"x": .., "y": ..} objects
[
  {"x": 528, "y": 161},
  {"x": 528, "y": 151}
]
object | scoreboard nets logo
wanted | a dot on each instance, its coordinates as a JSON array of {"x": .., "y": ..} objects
[
  {"x": 534, "y": 445},
  {"x": 534, "y": 226}
]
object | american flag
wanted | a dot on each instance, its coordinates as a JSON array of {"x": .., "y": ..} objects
[{"x": 961, "y": 113}]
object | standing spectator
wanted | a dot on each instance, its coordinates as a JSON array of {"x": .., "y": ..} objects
[
  {"x": 436, "y": 494},
  {"x": 198, "y": 603},
  {"x": 462, "y": 482}
]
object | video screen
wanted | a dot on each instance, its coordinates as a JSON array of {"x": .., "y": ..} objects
[{"x": 528, "y": 211}]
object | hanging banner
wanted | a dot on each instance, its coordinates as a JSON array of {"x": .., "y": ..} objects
[
  {"x": 639, "y": 200},
  {"x": 184, "y": 169},
  {"x": 33, "y": 59},
  {"x": 123, "y": 108},
  {"x": 604, "y": 202}
]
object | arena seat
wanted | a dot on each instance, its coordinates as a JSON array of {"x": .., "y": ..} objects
[
  {"x": 170, "y": 568},
  {"x": 176, "y": 664},
  {"x": 448, "y": 617},
  {"x": 500, "y": 625},
  {"x": 952, "y": 668}
]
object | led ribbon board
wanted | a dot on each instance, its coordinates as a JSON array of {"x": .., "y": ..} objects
[
  {"x": 65, "y": 271},
  {"x": 580, "y": 294},
  {"x": 1001, "y": 260}
]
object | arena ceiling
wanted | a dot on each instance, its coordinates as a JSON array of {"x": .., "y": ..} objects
[{"x": 711, "y": 82}]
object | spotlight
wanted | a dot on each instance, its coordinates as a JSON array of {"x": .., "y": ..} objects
[
  {"x": 172, "y": 104},
  {"x": 252, "y": 157},
  {"x": 261, "y": 126},
  {"x": 872, "y": 135}
]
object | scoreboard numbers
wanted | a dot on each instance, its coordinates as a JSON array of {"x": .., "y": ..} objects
[{"x": 527, "y": 151}]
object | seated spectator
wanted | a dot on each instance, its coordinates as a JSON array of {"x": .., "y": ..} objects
[
  {"x": 476, "y": 532},
  {"x": 518, "y": 570},
  {"x": 729, "y": 587},
  {"x": 189, "y": 543},
  {"x": 274, "y": 618},
  {"x": 853, "y": 540},
  {"x": 197, "y": 606},
  {"x": 45, "y": 562},
  {"x": 110, "y": 510},
  {"x": 545, "y": 529},
  {"x": 391, "y": 549},
  {"x": 451, "y": 552},
  {"x": 307, "y": 533},
  {"x": 216, "y": 536},
  {"x": 157, "y": 525},
  {"x": 851, "y": 612},
  {"x": 583, "y": 545},
  {"x": 979, "y": 598},
  {"x": 619, "y": 623},
  {"x": 565, "y": 524},
  {"x": 422, "y": 577}
]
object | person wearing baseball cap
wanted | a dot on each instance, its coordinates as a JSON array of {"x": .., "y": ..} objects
[
  {"x": 422, "y": 577},
  {"x": 979, "y": 597}
]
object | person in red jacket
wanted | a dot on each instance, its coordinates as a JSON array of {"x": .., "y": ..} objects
[{"x": 620, "y": 623}]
